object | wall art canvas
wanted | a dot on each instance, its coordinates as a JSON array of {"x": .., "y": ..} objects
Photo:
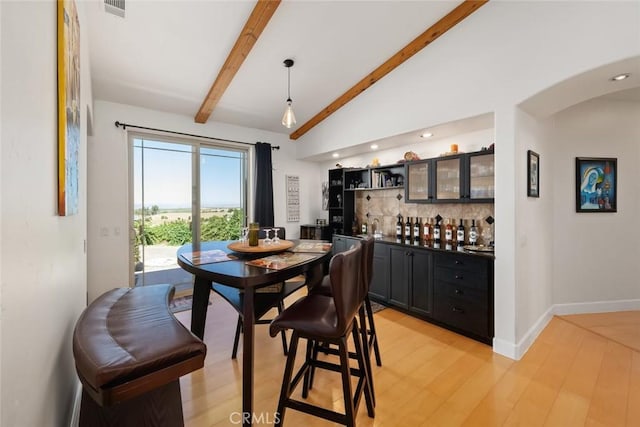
[
  {"x": 596, "y": 184},
  {"x": 533, "y": 174},
  {"x": 68, "y": 106}
]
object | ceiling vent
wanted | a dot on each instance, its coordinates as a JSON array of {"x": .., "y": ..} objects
[{"x": 114, "y": 7}]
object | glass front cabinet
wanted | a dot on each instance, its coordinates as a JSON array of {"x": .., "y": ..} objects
[
  {"x": 481, "y": 179},
  {"x": 418, "y": 181},
  {"x": 449, "y": 181},
  {"x": 465, "y": 177}
]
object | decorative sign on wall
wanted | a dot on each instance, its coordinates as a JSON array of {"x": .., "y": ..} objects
[
  {"x": 293, "y": 198},
  {"x": 68, "y": 107}
]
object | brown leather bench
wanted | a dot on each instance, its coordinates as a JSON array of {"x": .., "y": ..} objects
[{"x": 130, "y": 352}]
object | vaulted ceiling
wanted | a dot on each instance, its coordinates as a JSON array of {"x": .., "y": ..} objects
[{"x": 165, "y": 55}]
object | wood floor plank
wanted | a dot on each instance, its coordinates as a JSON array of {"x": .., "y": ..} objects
[
  {"x": 633, "y": 401},
  {"x": 609, "y": 401},
  {"x": 434, "y": 377}
]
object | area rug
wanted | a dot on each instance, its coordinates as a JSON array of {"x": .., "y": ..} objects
[
  {"x": 375, "y": 307},
  {"x": 182, "y": 303}
]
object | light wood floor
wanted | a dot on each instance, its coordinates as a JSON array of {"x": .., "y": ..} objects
[{"x": 571, "y": 376}]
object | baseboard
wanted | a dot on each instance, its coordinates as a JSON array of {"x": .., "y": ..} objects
[
  {"x": 596, "y": 307},
  {"x": 516, "y": 351},
  {"x": 75, "y": 410}
]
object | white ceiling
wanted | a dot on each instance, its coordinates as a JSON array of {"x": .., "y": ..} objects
[{"x": 165, "y": 55}]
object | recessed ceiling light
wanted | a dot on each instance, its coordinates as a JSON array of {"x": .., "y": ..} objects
[
  {"x": 620, "y": 77},
  {"x": 426, "y": 135},
  {"x": 374, "y": 146},
  {"x": 335, "y": 155}
]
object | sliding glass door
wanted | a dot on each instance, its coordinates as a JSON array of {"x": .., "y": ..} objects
[{"x": 183, "y": 191}]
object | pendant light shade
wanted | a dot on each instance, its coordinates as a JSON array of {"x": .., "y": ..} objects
[{"x": 289, "y": 118}]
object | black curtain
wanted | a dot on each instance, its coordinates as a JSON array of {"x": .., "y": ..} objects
[{"x": 264, "y": 185}]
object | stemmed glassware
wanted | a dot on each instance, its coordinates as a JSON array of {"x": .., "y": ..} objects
[
  {"x": 267, "y": 239},
  {"x": 276, "y": 239}
]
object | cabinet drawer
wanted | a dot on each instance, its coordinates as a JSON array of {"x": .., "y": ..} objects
[
  {"x": 462, "y": 314},
  {"x": 461, "y": 262},
  {"x": 469, "y": 278},
  {"x": 457, "y": 291}
]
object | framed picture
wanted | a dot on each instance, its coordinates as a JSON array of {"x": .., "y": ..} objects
[
  {"x": 533, "y": 174},
  {"x": 596, "y": 184},
  {"x": 68, "y": 106}
]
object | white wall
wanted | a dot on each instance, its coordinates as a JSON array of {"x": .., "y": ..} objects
[
  {"x": 108, "y": 259},
  {"x": 535, "y": 236},
  {"x": 43, "y": 275},
  {"x": 501, "y": 55},
  {"x": 596, "y": 254}
]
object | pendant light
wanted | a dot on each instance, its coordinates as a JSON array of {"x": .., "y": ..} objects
[{"x": 288, "y": 119}]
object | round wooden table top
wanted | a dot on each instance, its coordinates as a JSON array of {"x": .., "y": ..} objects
[{"x": 282, "y": 245}]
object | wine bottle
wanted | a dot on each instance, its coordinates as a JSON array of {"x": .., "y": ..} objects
[
  {"x": 436, "y": 232},
  {"x": 448, "y": 232},
  {"x": 426, "y": 231},
  {"x": 407, "y": 231},
  {"x": 460, "y": 234},
  {"x": 473, "y": 233},
  {"x": 399, "y": 227},
  {"x": 416, "y": 232}
]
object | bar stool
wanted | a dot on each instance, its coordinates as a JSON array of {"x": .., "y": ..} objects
[
  {"x": 324, "y": 288},
  {"x": 330, "y": 319},
  {"x": 264, "y": 300}
]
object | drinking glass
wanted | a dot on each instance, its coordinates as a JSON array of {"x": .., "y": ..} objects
[
  {"x": 276, "y": 239},
  {"x": 244, "y": 237},
  {"x": 267, "y": 239}
]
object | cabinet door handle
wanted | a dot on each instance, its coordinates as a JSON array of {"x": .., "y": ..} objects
[
  {"x": 459, "y": 292},
  {"x": 459, "y": 276},
  {"x": 457, "y": 310}
]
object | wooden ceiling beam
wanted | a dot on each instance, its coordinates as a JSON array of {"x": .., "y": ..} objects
[
  {"x": 423, "y": 40},
  {"x": 260, "y": 16}
]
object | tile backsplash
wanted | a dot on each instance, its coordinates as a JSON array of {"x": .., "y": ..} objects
[{"x": 383, "y": 207}]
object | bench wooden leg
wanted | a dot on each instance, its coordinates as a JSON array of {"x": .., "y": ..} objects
[{"x": 161, "y": 407}]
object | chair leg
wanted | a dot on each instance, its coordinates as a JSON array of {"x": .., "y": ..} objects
[
  {"x": 372, "y": 331},
  {"x": 346, "y": 382},
  {"x": 312, "y": 368},
  {"x": 362, "y": 355},
  {"x": 306, "y": 383},
  {"x": 364, "y": 336},
  {"x": 283, "y": 334},
  {"x": 236, "y": 340},
  {"x": 285, "y": 391}
]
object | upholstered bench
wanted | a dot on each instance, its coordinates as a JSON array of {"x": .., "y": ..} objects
[{"x": 130, "y": 352}]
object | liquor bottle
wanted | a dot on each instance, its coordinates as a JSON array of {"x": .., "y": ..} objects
[
  {"x": 416, "y": 232},
  {"x": 473, "y": 233},
  {"x": 448, "y": 233},
  {"x": 399, "y": 227},
  {"x": 426, "y": 231},
  {"x": 407, "y": 231},
  {"x": 460, "y": 234},
  {"x": 354, "y": 227},
  {"x": 436, "y": 232}
]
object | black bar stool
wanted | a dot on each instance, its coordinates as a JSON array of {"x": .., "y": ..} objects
[{"x": 329, "y": 319}]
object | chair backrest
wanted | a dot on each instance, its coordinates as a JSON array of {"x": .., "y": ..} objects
[
  {"x": 346, "y": 285},
  {"x": 281, "y": 232},
  {"x": 367, "y": 262}
]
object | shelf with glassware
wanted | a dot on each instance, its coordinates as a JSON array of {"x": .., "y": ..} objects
[
  {"x": 374, "y": 178},
  {"x": 340, "y": 203},
  {"x": 465, "y": 177}
]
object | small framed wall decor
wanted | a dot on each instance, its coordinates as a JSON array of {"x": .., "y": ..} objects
[
  {"x": 533, "y": 174},
  {"x": 596, "y": 184}
]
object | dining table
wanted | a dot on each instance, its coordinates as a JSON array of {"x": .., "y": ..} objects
[{"x": 215, "y": 262}]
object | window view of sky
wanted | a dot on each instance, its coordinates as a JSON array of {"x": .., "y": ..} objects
[{"x": 167, "y": 176}]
